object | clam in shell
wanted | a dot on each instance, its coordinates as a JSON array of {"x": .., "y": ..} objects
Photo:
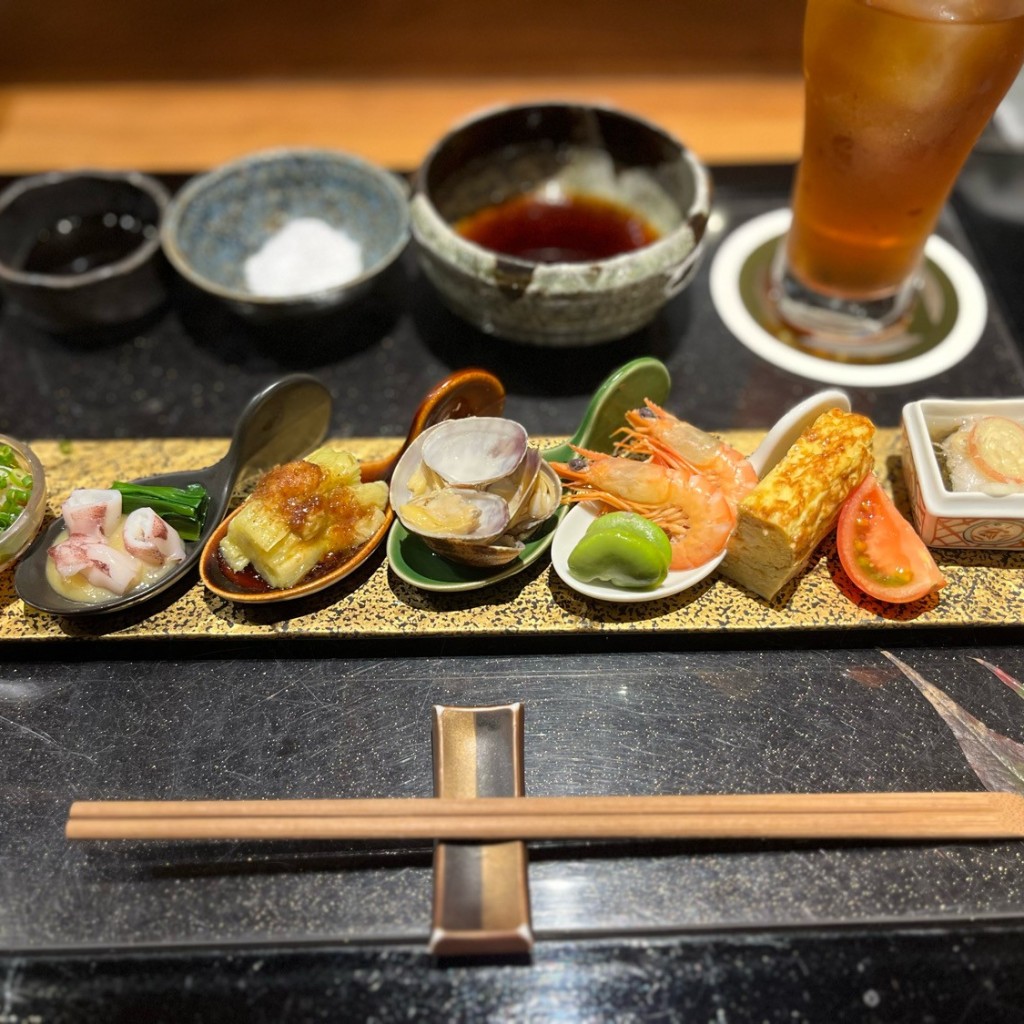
[{"x": 474, "y": 490}]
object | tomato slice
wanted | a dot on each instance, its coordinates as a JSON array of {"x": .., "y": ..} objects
[{"x": 879, "y": 549}]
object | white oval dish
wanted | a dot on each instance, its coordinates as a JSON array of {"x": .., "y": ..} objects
[
  {"x": 791, "y": 425},
  {"x": 774, "y": 445},
  {"x": 968, "y": 308},
  {"x": 569, "y": 533}
]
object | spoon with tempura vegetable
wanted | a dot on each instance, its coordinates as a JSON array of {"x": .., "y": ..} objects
[
  {"x": 284, "y": 420},
  {"x": 263, "y": 553}
]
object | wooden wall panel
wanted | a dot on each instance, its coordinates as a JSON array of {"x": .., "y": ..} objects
[{"x": 210, "y": 40}]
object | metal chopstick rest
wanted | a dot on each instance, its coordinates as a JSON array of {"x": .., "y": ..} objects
[{"x": 481, "y": 891}]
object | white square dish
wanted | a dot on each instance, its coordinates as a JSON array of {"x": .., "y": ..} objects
[{"x": 956, "y": 519}]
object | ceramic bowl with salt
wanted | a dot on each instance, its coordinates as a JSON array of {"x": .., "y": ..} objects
[{"x": 287, "y": 232}]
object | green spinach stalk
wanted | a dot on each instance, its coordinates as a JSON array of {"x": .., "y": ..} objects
[{"x": 184, "y": 508}]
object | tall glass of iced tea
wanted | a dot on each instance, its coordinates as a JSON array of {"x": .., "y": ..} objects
[{"x": 897, "y": 93}]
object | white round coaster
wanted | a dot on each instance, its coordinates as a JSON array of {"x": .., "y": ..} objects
[{"x": 952, "y": 316}]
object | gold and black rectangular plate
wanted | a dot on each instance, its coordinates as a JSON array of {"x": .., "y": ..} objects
[{"x": 373, "y": 603}]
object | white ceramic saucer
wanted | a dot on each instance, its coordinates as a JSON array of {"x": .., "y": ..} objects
[{"x": 951, "y": 316}]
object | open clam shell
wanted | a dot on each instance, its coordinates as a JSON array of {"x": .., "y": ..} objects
[
  {"x": 473, "y": 489},
  {"x": 540, "y": 503},
  {"x": 500, "y": 552},
  {"x": 465, "y": 513},
  {"x": 475, "y": 451}
]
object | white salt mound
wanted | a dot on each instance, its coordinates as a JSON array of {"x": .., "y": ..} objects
[{"x": 306, "y": 255}]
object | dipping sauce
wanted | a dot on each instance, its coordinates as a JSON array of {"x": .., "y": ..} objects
[
  {"x": 77, "y": 244},
  {"x": 570, "y": 229}
]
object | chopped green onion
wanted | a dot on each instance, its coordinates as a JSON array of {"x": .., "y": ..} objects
[
  {"x": 184, "y": 508},
  {"x": 15, "y": 486},
  {"x": 14, "y": 500},
  {"x": 15, "y": 477}
]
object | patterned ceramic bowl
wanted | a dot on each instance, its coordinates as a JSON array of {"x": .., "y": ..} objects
[
  {"x": 563, "y": 172},
  {"x": 287, "y": 232},
  {"x": 22, "y": 531},
  {"x": 946, "y": 518}
]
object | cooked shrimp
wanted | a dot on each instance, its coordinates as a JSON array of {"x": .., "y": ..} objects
[
  {"x": 693, "y": 512},
  {"x": 665, "y": 438}
]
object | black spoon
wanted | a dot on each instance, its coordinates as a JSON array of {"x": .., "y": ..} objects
[{"x": 284, "y": 421}]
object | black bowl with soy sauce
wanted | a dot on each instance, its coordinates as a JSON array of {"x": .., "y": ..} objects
[
  {"x": 80, "y": 250},
  {"x": 559, "y": 224}
]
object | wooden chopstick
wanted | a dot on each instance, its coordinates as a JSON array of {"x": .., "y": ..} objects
[{"x": 764, "y": 815}]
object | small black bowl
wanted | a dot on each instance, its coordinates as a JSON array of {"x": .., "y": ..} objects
[{"x": 80, "y": 250}]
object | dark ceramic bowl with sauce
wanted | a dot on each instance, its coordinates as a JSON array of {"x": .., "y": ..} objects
[
  {"x": 559, "y": 224},
  {"x": 80, "y": 250}
]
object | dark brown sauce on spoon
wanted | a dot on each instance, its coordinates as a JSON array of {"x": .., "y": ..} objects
[{"x": 249, "y": 580}]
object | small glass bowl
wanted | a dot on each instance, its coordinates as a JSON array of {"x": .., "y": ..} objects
[
  {"x": 17, "y": 537},
  {"x": 956, "y": 519}
]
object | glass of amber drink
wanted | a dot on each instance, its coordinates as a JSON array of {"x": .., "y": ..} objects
[{"x": 896, "y": 94}]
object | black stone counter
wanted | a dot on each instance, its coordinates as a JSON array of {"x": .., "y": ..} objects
[
  {"x": 190, "y": 370},
  {"x": 626, "y": 931},
  {"x": 895, "y": 977}
]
